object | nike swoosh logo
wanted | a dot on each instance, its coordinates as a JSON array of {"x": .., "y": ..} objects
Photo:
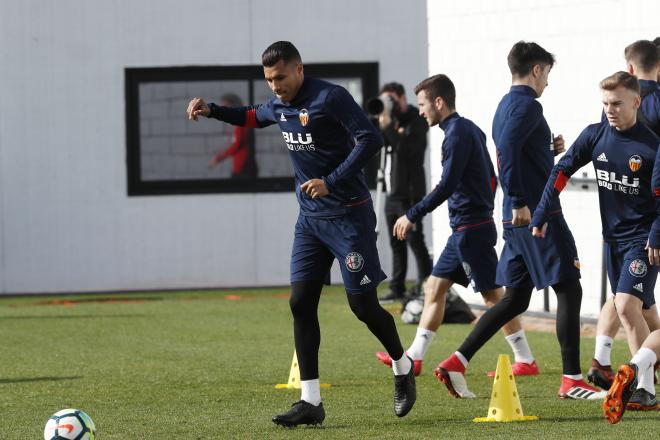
[{"x": 68, "y": 427}]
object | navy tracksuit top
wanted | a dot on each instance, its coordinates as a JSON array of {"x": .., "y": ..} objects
[
  {"x": 328, "y": 136},
  {"x": 651, "y": 104},
  {"x": 468, "y": 178},
  {"x": 624, "y": 163},
  {"x": 524, "y": 155}
]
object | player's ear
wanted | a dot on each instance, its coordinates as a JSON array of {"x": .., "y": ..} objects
[
  {"x": 439, "y": 103},
  {"x": 631, "y": 69},
  {"x": 299, "y": 68},
  {"x": 537, "y": 70}
]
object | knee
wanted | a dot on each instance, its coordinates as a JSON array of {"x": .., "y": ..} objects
[
  {"x": 628, "y": 309},
  {"x": 516, "y": 304},
  {"x": 300, "y": 307},
  {"x": 491, "y": 297},
  {"x": 360, "y": 311},
  {"x": 295, "y": 304},
  {"x": 435, "y": 291},
  {"x": 368, "y": 312}
]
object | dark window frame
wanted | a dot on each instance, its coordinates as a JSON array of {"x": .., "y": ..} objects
[{"x": 367, "y": 72}]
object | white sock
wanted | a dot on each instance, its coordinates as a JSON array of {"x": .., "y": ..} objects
[
  {"x": 573, "y": 376},
  {"x": 420, "y": 345},
  {"x": 603, "y": 350},
  {"x": 402, "y": 366},
  {"x": 462, "y": 358},
  {"x": 520, "y": 347},
  {"x": 311, "y": 391},
  {"x": 645, "y": 358}
]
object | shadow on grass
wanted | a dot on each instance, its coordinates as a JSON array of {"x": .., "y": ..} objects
[
  {"x": 69, "y": 316},
  {"x": 39, "y": 379}
]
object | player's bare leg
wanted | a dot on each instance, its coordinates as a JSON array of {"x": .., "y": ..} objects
[{"x": 629, "y": 309}]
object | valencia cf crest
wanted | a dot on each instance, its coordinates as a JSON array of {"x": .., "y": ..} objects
[
  {"x": 354, "y": 262},
  {"x": 304, "y": 117},
  {"x": 635, "y": 162},
  {"x": 637, "y": 268}
]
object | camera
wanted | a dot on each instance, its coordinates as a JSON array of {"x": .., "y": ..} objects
[{"x": 378, "y": 104}]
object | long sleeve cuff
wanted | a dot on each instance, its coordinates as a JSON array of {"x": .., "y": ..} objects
[{"x": 518, "y": 202}]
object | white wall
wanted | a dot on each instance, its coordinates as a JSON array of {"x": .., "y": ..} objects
[
  {"x": 469, "y": 41},
  {"x": 66, "y": 223}
]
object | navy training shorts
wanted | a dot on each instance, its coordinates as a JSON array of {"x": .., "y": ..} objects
[
  {"x": 528, "y": 261},
  {"x": 469, "y": 257},
  {"x": 350, "y": 238},
  {"x": 629, "y": 271}
]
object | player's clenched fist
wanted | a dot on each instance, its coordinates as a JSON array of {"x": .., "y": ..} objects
[
  {"x": 315, "y": 188},
  {"x": 197, "y": 107}
]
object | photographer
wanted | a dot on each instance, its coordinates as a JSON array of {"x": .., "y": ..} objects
[{"x": 404, "y": 132}]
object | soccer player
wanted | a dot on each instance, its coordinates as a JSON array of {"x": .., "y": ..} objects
[
  {"x": 622, "y": 151},
  {"x": 330, "y": 140},
  {"x": 642, "y": 61},
  {"x": 468, "y": 183},
  {"x": 625, "y": 382},
  {"x": 525, "y": 153}
]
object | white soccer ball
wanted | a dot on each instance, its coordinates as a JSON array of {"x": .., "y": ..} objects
[
  {"x": 70, "y": 424},
  {"x": 412, "y": 311}
]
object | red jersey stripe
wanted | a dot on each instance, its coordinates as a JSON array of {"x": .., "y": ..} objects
[
  {"x": 251, "y": 118},
  {"x": 560, "y": 181}
]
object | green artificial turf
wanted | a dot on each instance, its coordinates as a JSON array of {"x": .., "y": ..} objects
[{"x": 203, "y": 365}]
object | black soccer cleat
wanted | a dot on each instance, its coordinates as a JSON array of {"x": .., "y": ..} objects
[
  {"x": 642, "y": 400},
  {"x": 405, "y": 392},
  {"x": 301, "y": 413}
]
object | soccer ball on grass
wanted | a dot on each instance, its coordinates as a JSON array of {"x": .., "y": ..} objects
[{"x": 70, "y": 424}]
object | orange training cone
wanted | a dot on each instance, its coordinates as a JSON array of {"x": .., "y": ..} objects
[{"x": 504, "y": 401}]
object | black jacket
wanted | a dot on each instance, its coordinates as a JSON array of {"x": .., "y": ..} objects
[{"x": 408, "y": 142}]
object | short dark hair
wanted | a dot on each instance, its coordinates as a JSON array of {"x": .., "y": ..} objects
[
  {"x": 620, "y": 79},
  {"x": 524, "y": 55},
  {"x": 280, "y": 50},
  {"x": 657, "y": 42},
  {"x": 393, "y": 87},
  {"x": 438, "y": 86},
  {"x": 642, "y": 53}
]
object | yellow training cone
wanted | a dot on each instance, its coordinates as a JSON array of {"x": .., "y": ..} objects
[
  {"x": 504, "y": 402},
  {"x": 294, "y": 377}
]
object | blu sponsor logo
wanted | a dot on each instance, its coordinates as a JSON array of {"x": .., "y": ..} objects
[
  {"x": 624, "y": 184},
  {"x": 296, "y": 142}
]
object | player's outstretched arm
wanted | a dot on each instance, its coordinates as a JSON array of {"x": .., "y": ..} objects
[{"x": 248, "y": 116}]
